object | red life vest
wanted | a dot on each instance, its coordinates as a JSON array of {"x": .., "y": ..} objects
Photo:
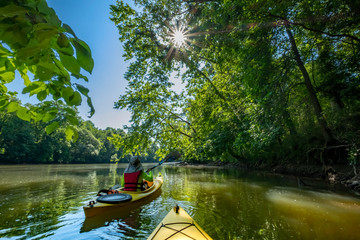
[{"x": 131, "y": 181}]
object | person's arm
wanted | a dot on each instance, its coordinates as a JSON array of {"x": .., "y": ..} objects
[{"x": 148, "y": 176}]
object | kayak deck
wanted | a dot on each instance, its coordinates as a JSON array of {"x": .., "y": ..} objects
[
  {"x": 177, "y": 225},
  {"x": 94, "y": 207}
]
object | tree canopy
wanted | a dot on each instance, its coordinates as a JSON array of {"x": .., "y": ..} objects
[{"x": 265, "y": 80}]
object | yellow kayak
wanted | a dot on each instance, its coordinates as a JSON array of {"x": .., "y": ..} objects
[
  {"x": 177, "y": 225},
  {"x": 121, "y": 199}
]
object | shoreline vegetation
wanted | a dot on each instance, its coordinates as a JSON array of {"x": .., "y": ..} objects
[{"x": 22, "y": 142}]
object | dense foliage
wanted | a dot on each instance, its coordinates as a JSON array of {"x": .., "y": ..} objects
[
  {"x": 48, "y": 56},
  {"x": 27, "y": 142},
  {"x": 265, "y": 81}
]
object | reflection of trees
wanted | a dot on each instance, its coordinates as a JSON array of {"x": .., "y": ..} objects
[
  {"x": 233, "y": 204},
  {"x": 227, "y": 203},
  {"x": 220, "y": 197},
  {"x": 304, "y": 210},
  {"x": 36, "y": 198}
]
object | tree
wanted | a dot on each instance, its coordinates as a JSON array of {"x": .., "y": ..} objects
[
  {"x": 28, "y": 142},
  {"x": 35, "y": 43},
  {"x": 253, "y": 67},
  {"x": 17, "y": 140}
]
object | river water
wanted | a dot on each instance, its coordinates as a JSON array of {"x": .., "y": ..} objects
[{"x": 45, "y": 202}]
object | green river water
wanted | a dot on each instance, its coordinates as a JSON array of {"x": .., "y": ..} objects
[{"x": 45, "y": 202}]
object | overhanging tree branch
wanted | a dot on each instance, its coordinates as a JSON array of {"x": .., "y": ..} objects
[
  {"x": 316, "y": 30},
  {"x": 326, "y": 33}
]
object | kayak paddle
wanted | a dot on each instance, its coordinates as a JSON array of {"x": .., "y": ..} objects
[{"x": 171, "y": 156}]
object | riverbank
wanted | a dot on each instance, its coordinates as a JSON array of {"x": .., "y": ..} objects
[{"x": 336, "y": 176}]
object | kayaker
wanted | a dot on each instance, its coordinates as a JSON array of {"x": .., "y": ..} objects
[{"x": 134, "y": 176}]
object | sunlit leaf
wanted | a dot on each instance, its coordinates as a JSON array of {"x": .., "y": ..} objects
[
  {"x": 13, "y": 106},
  {"x": 23, "y": 113},
  {"x": 69, "y": 132},
  {"x": 7, "y": 77},
  {"x": 49, "y": 116},
  {"x": 52, "y": 127}
]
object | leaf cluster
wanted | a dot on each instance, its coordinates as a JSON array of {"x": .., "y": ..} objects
[{"x": 36, "y": 44}]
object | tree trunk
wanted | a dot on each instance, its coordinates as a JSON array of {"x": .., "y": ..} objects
[
  {"x": 313, "y": 98},
  {"x": 289, "y": 123}
]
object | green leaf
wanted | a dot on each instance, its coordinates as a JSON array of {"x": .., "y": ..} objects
[
  {"x": 7, "y": 77},
  {"x": 48, "y": 13},
  {"x": 69, "y": 132},
  {"x": 84, "y": 91},
  {"x": 70, "y": 63},
  {"x": 63, "y": 41},
  {"x": 78, "y": 76},
  {"x": 45, "y": 71},
  {"x": 92, "y": 109},
  {"x": 75, "y": 99},
  {"x": 83, "y": 55},
  {"x": 73, "y": 120},
  {"x": 65, "y": 76},
  {"x": 69, "y": 29},
  {"x": 52, "y": 127},
  {"x": 42, "y": 95},
  {"x": 44, "y": 32},
  {"x": 24, "y": 76},
  {"x": 29, "y": 51},
  {"x": 70, "y": 111},
  {"x": 49, "y": 116},
  {"x": 3, "y": 89},
  {"x": 4, "y": 52},
  {"x": 12, "y": 11},
  {"x": 44, "y": 26},
  {"x": 13, "y": 106},
  {"x": 23, "y": 113},
  {"x": 3, "y": 104},
  {"x": 67, "y": 93},
  {"x": 67, "y": 51},
  {"x": 35, "y": 88}
]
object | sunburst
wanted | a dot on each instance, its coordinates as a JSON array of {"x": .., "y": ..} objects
[{"x": 178, "y": 37}]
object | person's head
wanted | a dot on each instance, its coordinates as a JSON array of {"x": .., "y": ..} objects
[
  {"x": 135, "y": 160},
  {"x": 134, "y": 165}
]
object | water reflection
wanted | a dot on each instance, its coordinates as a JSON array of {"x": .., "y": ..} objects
[
  {"x": 45, "y": 201},
  {"x": 314, "y": 214}
]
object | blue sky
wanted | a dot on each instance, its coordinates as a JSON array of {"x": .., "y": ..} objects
[{"x": 90, "y": 21}]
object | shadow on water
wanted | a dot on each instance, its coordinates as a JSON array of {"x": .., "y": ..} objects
[{"x": 128, "y": 215}]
